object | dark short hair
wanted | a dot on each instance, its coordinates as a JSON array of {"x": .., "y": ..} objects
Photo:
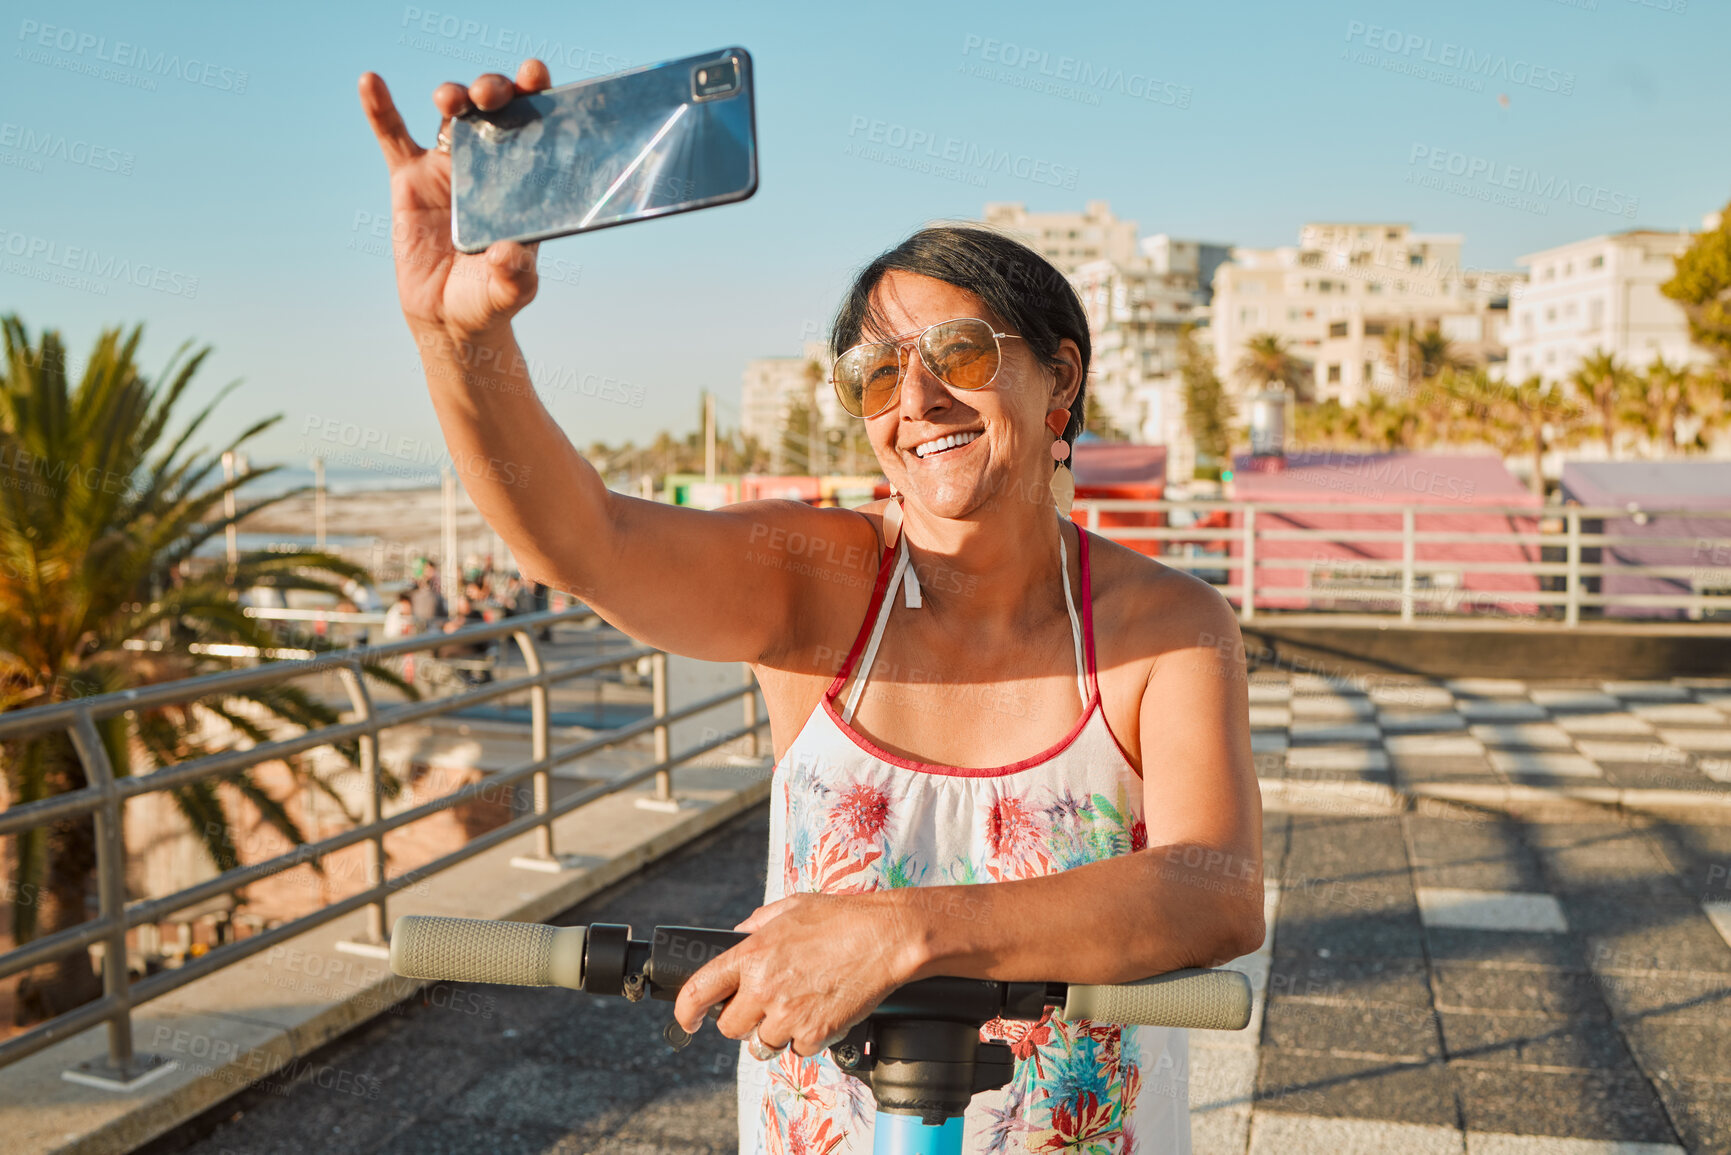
[{"x": 1017, "y": 284}]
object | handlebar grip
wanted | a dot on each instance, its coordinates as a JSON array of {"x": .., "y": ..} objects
[
  {"x": 521, "y": 954},
  {"x": 1210, "y": 1000}
]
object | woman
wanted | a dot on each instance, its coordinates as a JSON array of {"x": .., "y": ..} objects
[{"x": 915, "y": 830}]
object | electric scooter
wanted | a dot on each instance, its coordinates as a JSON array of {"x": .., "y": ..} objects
[{"x": 919, "y": 1051}]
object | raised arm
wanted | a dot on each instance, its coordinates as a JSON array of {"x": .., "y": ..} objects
[{"x": 723, "y": 585}]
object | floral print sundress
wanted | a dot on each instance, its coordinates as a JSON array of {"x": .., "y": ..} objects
[{"x": 847, "y": 816}]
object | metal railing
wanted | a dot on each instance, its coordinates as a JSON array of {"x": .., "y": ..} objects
[
  {"x": 1565, "y": 551},
  {"x": 107, "y": 793}
]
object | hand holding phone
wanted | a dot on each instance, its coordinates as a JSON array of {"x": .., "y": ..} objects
[{"x": 462, "y": 294}]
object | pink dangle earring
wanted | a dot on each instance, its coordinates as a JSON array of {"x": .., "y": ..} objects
[{"x": 1063, "y": 478}]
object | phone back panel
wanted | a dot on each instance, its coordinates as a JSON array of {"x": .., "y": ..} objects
[{"x": 607, "y": 151}]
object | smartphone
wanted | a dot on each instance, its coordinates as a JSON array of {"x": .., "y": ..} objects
[{"x": 647, "y": 142}]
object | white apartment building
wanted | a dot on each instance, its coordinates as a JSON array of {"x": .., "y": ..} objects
[
  {"x": 1336, "y": 294},
  {"x": 771, "y": 386},
  {"x": 1137, "y": 310},
  {"x": 1067, "y": 239},
  {"x": 1599, "y": 294}
]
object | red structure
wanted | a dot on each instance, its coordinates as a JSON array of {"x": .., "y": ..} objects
[
  {"x": 1121, "y": 472},
  {"x": 1454, "y": 494}
]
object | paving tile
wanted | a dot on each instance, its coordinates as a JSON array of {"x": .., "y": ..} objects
[
  {"x": 1490, "y": 910},
  {"x": 1605, "y": 750},
  {"x": 1413, "y": 696},
  {"x": 1519, "y": 990},
  {"x": 1487, "y": 687},
  {"x": 1221, "y": 1089},
  {"x": 1399, "y": 1032},
  {"x": 1343, "y": 709},
  {"x": 1675, "y": 1049},
  {"x": 1569, "y": 1104},
  {"x": 1451, "y": 744},
  {"x": 1546, "y": 763},
  {"x": 1573, "y": 701},
  {"x": 1391, "y": 981},
  {"x": 1321, "y": 684},
  {"x": 1419, "y": 722},
  {"x": 1480, "y": 1143},
  {"x": 1667, "y": 996},
  {"x": 1413, "y": 770},
  {"x": 1264, "y": 717},
  {"x": 1535, "y": 1041},
  {"x": 1607, "y": 723},
  {"x": 1354, "y": 1088},
  {"x": 1500, "y": 710},
  {"x": 1545, "y": 950},
  {"x": 1646, "y": 691},
  {"x": 1620, "y": 935},
  {"x": 1336, "y": 758},
  {"x": 1278, "y": 1133},
  {"x": 1529, "y": 735},
  {"x": 1323, "y": 731},
  {"x": 1270, "y": 692},
  {"x": 1700, "y": 1110},
  {"x": 1268, "y": 741},
  {"x": 1678, "y": 713},
  {"x": 1713, "y": 741}
]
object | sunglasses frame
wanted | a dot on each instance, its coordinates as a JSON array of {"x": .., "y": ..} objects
[{"x": 901, "y": 374}]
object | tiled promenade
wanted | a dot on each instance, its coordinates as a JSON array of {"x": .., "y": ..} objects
[{"x": 1441, "y": 976}]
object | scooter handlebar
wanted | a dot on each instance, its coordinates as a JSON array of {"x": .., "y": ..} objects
[
  {"x": 520, "y": 954},
  {"x": 535, "y": 955},
  {"x": 1210, "y": 1000}
]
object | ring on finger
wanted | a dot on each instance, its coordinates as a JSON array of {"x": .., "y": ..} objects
[
  {"x": 762, "y": 1051},
  {"x": 444, "y": 144}
]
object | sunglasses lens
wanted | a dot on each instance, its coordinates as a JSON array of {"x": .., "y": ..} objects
[
  {"x": 866, "y": 377},
  {"x": 961, "y": 353}
]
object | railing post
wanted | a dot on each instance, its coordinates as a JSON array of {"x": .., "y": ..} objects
[
  {"x": 374, "y": 941},
  {"x": 752, "y": 746},
  {"x": 658, "y": 697},
  {"x": 1406, "y": 564},
  {"x": 1248, "y": 610},
  {"x": 540, "y": 743},
  {"x": 1572, "y": 571},
  {"x": 122, "y": 1068}
]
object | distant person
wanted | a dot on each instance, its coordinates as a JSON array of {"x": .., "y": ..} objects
[
  {"x": 400, "y": 618},
  {"x": 467, "y": 613},
  {"x": 1090, "y": 800},
  {"x": 427, "y": 601}
]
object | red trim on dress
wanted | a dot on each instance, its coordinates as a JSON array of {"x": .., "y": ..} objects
[
  {"x": 1044, "y": 756},
  {"x": 871, "y": 618},
  {"x": 1088, "y": 647}
]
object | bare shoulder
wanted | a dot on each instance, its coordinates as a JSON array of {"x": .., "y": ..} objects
[{"x": 1144, "y": 608}]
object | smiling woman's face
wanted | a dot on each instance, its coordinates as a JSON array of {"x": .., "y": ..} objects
[{"x": 1005, "y": 446}]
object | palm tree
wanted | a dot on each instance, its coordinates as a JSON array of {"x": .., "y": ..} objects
[
  {"x": 1604, "y": 384},
  {"x": 1388, "y": 424},
  {"x": 1207, "y": 409},
  {"x": 1667, "y": 397},
  {"x": 1421, "y": 357},
  {"x": 1324, "y": 423},
  {"x": 1531, "y": 417},
  {"x": 100, "y": 591},
  {"x": 1269, "y": 363}
]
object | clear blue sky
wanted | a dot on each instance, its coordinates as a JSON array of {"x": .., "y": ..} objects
[{"x": 1268, "y": 113}]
